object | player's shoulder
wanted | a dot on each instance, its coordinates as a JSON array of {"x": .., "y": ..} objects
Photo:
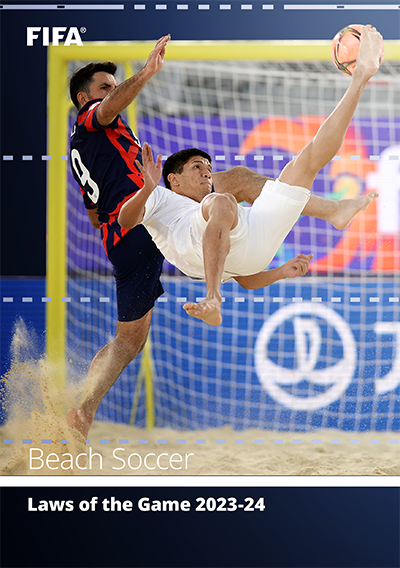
[
  {"x": 90, "y": 105},
  {"x": 87, "y": 119},
  {"x": 161, "y": 193},
  {"x": 87, "y": 111},
  {"x": 161, "y": 198}
]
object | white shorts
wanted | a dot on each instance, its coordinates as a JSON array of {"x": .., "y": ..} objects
[{"x": 261, "y": 229}]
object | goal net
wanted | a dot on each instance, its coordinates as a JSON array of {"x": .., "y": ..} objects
[{"x": 322, "y": 351}]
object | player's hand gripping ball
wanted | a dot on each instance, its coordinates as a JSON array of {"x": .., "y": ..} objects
[{"x": 345, "y": 46}]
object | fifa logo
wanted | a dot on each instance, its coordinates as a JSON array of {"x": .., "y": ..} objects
[{"x": 53, "y": 36}]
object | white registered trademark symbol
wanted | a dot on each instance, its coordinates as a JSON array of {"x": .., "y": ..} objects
[{"x": 83, "y": 30}]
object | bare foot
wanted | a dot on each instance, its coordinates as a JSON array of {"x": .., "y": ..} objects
[
  {"x": 348, "y": 209},
  {"x": 209, "y": 310},
  {"x": 77, "y": 420},
  {"x": 370, "y": 54}
]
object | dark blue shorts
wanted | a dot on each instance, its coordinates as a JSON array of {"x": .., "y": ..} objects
[{"x": 137, "y": 266}]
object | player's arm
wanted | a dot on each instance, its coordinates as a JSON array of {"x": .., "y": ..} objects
[
  {"x": 116, "y": 101},
  {"x": 241, "y": 182},
  {"x": 94, "y": 218},
  {"x": 297, "y": 266},
  {"x": 132, "y": 212}
]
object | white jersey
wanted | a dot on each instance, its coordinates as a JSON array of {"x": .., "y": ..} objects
[{"x": 176, "y": 225}]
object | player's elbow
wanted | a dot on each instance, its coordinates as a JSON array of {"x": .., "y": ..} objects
[
  {"x": 124, "y": 221},
  {"x": 246, "y": 282},
  {"x": 94, "y": 218},
  {"x": 96, "y": 224}
]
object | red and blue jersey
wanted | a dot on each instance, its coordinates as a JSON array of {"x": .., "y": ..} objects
[{"x": 103, "y": 164}]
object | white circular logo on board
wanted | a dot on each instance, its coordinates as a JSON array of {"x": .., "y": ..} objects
[{"x": 332, "y": 381}]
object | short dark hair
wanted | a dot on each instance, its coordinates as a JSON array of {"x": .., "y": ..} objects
[
  {"x": 82, "y": 78},
  {"x": 175, "y": 163}
]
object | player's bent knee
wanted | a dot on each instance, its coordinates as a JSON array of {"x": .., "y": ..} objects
[
  {"x": 221, "y": 208},
  {"x": 224, "y": 202},
  {"x": 240, "y": 171}
]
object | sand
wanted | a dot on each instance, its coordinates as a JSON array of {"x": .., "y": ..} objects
[
  {"x": 37, "y": 441},
  {"x": 203, "y": 452}
]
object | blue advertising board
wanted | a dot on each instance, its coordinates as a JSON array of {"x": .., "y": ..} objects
[{"x": 320, "y": 354}]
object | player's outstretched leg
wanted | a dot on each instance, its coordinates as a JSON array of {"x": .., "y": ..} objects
[
  {"x": 329, "y": 138},
  {"x": 339, "y": 213},
  {"x": 246, "y": 185},
  {"x": 220, "y": 212}
]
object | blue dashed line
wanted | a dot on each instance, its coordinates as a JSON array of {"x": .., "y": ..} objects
[
  {"x": 62, "y": 7},
  {"x": 182, "y": 299},
  {"x": 277, "y": 158},
  {"x": 238, "y": 441}
]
